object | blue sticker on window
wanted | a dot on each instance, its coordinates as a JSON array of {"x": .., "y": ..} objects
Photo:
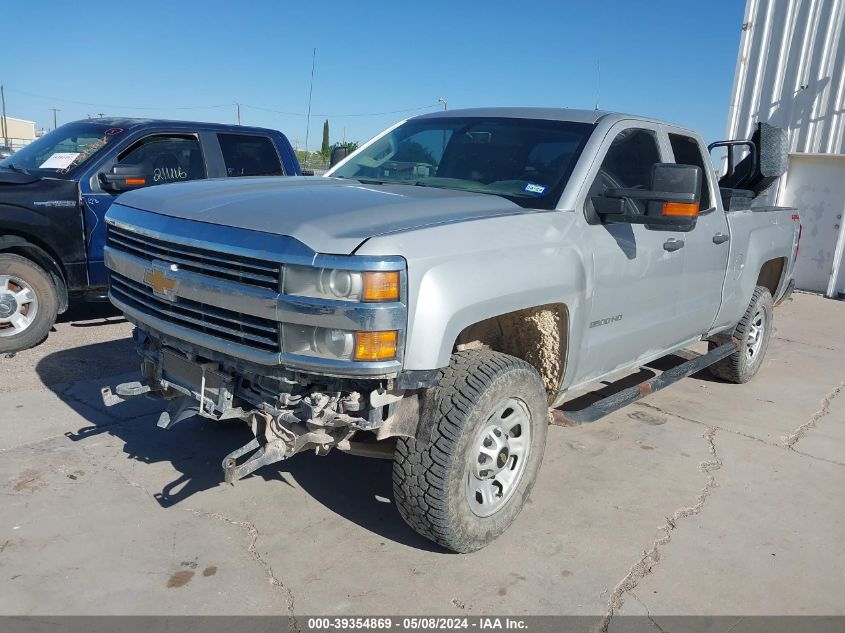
[{"x": 533, "y": 187}]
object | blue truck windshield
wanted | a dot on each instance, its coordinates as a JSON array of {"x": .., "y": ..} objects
[
  {"x": 63, "y": 151},
  {"x": 527, "y": 161}
]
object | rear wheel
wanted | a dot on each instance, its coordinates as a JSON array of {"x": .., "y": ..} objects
[
  {"x": 464, "y": 481},
  {"x": 753, "y": 332},
  {"x": 28, "y": 303}
]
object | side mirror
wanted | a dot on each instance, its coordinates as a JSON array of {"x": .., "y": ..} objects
[
  {"x": 338, "y": 154},
  {"x": 124, "y": 178},
  {"x": 671, "y": 203}
]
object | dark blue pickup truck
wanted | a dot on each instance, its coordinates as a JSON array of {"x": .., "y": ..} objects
[{"x": 55, "y": 192}]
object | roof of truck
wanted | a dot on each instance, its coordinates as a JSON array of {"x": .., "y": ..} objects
[
  {"x": 547, "y": 114},
  {"x": 134, "y": 123}
]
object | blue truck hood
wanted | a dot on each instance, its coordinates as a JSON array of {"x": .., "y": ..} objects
[{"x": 329, "y": 215}]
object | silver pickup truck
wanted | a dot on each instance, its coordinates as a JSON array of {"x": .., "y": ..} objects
[{"x": 436, "y": 298}]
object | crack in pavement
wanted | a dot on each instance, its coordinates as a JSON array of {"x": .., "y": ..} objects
[
  {"x": 816, "y": 457},
  {"x": 790, "y": 440},
  {"x": 647, "y": 612},
  {"x": 250, "y": 528},
  {"x": 781, "y": 446},
  {"x": 707, "y": 425},
  {"x": 792, "y": 340},
  {"x": 650, "y": 558}
]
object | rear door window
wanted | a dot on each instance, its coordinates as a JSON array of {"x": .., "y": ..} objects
[
  {"x": 166, "y": 158},
  {"x": 249, "y": 155}
]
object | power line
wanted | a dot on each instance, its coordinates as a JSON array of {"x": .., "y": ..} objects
[
  {"x": 221, "y": 105},
  {"x": 338, "y": 116},
  {"x": 120, "y": 107}
]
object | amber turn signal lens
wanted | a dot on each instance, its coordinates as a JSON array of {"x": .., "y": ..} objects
[
  {"x": 135, "y": 181},
  {"x": 683, "y": 209},
  {"x": 381, "y": 286},
  {"x": 375, "y": 345}
]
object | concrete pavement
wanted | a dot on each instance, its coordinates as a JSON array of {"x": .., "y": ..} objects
[{"x": 705, "y": 498}]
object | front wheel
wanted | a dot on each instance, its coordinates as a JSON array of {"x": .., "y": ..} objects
[
  {"x": 467, "y": 475},
  {"x": 753, "y": 332},
  {"x": 28, "y": 303}
]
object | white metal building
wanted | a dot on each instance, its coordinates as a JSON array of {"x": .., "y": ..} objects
[{"x": 790, "y": 72}]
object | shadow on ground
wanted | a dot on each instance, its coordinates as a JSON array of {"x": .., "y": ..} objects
[
  {"x": 359, "y": 489},
  {"x": 350, "y": 486},
  {"x": 90, "y": 314}
]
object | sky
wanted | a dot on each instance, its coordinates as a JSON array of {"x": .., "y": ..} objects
[{"x": 376, "y": 62}]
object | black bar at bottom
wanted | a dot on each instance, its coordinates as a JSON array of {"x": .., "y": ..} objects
[{"x": 608, "y": 405}]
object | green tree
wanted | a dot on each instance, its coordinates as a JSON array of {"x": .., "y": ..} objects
[{"x": 325, "y": 150}]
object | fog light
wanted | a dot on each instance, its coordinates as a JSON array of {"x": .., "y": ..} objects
[{"x": 370, "y": 346}]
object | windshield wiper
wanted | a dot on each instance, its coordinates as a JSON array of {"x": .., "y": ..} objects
[{"x": 17, "y": 168}]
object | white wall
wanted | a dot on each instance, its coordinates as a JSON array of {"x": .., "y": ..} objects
[
  {"x": 19, "y": 131},
  {"x": 790, "y": 72},
  {"x": 815, "y": 184}
]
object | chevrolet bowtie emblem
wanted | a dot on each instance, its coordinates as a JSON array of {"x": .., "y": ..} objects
[{"x": 157, "y": 279}]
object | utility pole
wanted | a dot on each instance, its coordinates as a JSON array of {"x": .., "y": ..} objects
[
  {"x": 444, "y": 102},
  {"x": 3, "y": 98},
  {"x": 55, "y": 125},
  {"x": 310, "y": 92},
  {"x": 238, "y": 106}
]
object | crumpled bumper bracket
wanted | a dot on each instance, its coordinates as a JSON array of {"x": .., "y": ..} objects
[{"x": 262, "y": 455}]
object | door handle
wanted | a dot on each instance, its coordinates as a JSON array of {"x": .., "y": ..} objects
[
  {"x": 720, "y": 238},
  {"x": 672, "y": 244}
]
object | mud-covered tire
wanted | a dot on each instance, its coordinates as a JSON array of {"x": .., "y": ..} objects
[
  {"x": 17, "y": 275},
  {"x": 433, "y": 473},
  {"x": 753, "y": 333}
]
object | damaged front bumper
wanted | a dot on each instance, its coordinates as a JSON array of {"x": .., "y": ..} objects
[{"x": 287, "y": 411}]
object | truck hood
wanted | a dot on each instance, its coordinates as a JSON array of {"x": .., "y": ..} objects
[
  {"x": 11, "y": 177},
  {"x": 329, "y": 215}
]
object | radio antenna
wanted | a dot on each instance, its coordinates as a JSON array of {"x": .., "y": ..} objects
[{"x": 598, "y": 81}]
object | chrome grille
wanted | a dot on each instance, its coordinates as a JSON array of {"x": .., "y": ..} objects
[
  {"x": 253, "y": 272},
  {"x": 220, "y": 323}
]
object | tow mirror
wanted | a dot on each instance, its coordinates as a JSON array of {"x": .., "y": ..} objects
[
  {"x": 124, "y": 178},
  {"x": 672, "y": 203},
  {"x": 338, "y": 154}
]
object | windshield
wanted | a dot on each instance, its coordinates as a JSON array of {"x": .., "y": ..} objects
[
  {"x": 64, "y": 150},
  {"x": 527, "y": 161}
]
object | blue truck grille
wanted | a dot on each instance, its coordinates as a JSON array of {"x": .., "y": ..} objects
[
  {"x": 220, "y": 323},
  {"x": 224, "y": 266}
]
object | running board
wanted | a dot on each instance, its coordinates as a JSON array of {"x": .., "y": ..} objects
[{"x": 608, "y": 405}]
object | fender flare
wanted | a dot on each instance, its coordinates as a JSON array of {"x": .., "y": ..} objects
[{"x": 23, "y": 247}]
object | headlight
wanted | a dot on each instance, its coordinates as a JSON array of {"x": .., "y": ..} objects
[
  {"x": 321, "y": 342},
  {"x": 345, "y": 285}
]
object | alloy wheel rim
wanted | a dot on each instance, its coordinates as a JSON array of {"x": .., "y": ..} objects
[
  {"x": 756, "y": 333},
  {"x": 18, "y": 305},
  {"x": 498, "y": 458}
]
